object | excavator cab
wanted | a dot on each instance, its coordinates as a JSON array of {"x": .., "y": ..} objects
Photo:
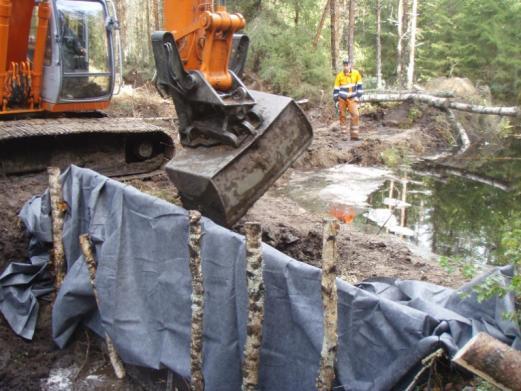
[
  {"x": 57, "y": 69},
  {"x": 80, "y": 57},
  {"x": 236, "y": 142},
  {"x": 56, "y": 55}
]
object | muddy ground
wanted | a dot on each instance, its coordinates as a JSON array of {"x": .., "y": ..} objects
[{"x": 390, "y": 134}]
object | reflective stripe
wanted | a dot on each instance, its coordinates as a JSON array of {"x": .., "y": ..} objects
[
  {"x": 348, "y": 85},
  {"x": 345, "y": 95}
]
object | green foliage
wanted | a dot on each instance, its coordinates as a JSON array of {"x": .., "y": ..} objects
[
  {"x": 493, "y": 286},
  {"x": 465, "y": 266},
  {"x": 478, "y": 39},
  {"x": 281, "y": 54}
]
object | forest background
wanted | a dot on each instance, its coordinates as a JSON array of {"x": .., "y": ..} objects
[{"x": 295, "y": 43}]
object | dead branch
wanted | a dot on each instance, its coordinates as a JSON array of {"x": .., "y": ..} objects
[
  {"x": 58, "y": 209},
  {"x": 491, "y": 360},
  {"x": 88, "y": 254},
  {"x": 329, "y": 298},
  {"x": 321, "y": 25},
  {"x": 196, "y": 351},
  {"x": 441, "y": 103},
  {"x": 458, "y": 127},
  {"x": 254, "y": 268}
]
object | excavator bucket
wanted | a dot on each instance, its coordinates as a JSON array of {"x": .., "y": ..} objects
[{"x": 223, "y": 181}]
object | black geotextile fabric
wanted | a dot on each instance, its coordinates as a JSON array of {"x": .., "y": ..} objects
[{"x": 385, "y": 327}]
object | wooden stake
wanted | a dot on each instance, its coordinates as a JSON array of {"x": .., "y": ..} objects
[
  {"x": 58, "y": 209},
  {"x": 254, "y": 269},
  {"x": 329, "y": 299},
  {"x": 196, "y": 347},
  {"x": 88, "y": 254},
  {"x": 491, "y": 360}
]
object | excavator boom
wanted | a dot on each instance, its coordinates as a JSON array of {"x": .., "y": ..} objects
[{"x": 236, "y": 142}]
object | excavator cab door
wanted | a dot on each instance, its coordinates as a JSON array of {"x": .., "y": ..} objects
[{"x": 82, "y": 53}]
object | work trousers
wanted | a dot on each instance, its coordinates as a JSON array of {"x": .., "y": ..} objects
[{"x": 352, "y": 106}]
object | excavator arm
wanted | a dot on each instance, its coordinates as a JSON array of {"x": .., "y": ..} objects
[{"x": 236, "y": 142}]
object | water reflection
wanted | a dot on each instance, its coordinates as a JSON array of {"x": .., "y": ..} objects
[{"x": 443, "y": 213}]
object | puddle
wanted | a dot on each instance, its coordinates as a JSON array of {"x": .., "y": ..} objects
[{"x": 448, "y": 213}]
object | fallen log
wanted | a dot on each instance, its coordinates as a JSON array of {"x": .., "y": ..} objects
[
  {"x": 491, "y": 360},
  {"x": 196, "y": 346},
  {"x": 441, "y": 103},
  {"x": 438, "y": 94},
  {"x": 58, "y": 209},
  {"x": 88, "y": 254},
  {"x": 254, "y": 268},
  {"x": 326, "y": 374}
]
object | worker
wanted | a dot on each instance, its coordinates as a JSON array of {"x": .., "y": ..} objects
[
  {"x": 348, "y": 89},
  {"x": 73, "y": 50}
]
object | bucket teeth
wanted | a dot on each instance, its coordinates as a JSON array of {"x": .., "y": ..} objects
[{"x": 223, "y": 182}]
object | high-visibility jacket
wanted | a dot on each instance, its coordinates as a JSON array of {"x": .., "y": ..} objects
[{"x": 348, "y": 86}]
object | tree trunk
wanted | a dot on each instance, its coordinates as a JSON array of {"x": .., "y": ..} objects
[
  {"x": 491, "y": 360},
  {"x": 442, "y": 103},
  {"x": 405, "y": 47},
  {"x": 351, "y": 36},
  {"x": 379, "y": 44},
  {"x": 122, "y": 17},
  {"x": 321, "y": 24},
  {"x": 334, "y": 34},
  {"x": 412, "y": 45},
  {"x": 399, "y": 51},
  {"x": 155, "y": 15},
  {"x": 297, "y": 11}
]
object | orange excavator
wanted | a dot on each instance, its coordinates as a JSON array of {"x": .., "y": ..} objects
[{"x": 58, "y": 62}]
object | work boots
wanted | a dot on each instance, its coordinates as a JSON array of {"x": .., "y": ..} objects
[{"x": 355, "y": 135}]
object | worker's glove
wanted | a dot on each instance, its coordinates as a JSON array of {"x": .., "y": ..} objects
[{"x": 337, "y": 105}]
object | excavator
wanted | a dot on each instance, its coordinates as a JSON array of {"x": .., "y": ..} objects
[{"x": 58, "y": 68}]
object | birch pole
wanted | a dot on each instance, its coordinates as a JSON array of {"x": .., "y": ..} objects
[
  {"x": 412, "y": 45},
  {"x": 321, "y": 24},
  {"x": 58, "y": 209},
  {"x": 196, "y": 346},
  {"x": 254, "y": 269},
  {"x": 379, "y": 44},
  {"x": 88, "y": 254},
  {"x": 326, "y": 374}
]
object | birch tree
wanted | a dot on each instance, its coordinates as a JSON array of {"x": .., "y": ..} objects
[
  {"x": 412, "y": 45},
  {"x": 379, "y": 44}
]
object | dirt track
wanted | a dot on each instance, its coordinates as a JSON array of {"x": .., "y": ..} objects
[{"x": 286, "y": 226}]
